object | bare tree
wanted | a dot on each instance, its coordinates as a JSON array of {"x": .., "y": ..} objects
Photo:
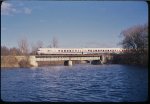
[
  {"x": 14, "y": 51},
  {"x": 135, "y": 37},
  {"x": 4, "y": 51},
  {"x": 50, "y": 46},
  {"x": 23, "y": 46},
  {"x": 55, "y": 42},
  {"x": 39, "y": 44},
  {"x": 33, "y": 48}
]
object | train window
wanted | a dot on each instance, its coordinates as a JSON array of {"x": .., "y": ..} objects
[
  {"x": 95, "y": 50},
  {"x": 64, "y": 50},
  {"x": 70, "y": 50},
  {"x": 61, "y": 50},
  {"x": 58, "y": 50}
]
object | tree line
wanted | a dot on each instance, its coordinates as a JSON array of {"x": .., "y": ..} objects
[{"x": 24, "y": 48}]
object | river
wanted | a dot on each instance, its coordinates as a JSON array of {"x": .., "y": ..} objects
[{"x": 77, "y": 83}]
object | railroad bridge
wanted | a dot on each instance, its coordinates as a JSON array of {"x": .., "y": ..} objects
[{"x": 68, "y": 59}]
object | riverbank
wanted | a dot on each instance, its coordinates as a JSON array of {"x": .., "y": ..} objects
[
  {"x": 24, "y": 61},
  {"x": 15, "y": 61}
]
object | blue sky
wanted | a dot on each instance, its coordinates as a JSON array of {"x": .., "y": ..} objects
[{"x": 73, "y": 23}]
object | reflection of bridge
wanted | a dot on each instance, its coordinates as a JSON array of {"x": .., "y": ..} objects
[{"x": 67, "y": 59}]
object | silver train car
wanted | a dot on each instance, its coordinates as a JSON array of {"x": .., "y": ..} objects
[{"x": 48, "y": 51}]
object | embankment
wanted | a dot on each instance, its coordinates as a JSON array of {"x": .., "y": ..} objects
[{"x": 15, "y": 61}]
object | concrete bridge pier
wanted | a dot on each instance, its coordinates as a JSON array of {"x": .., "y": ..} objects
[
  {"x": 32, "y": 60},
  {"x": 103, "y": 61},
  {"x": 68, "y": 63}
]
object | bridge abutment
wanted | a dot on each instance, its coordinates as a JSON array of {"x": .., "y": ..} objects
[{"x": 32, "y": 60}]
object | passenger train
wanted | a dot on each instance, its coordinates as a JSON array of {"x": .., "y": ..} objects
[{"x": 48, "y": 51}]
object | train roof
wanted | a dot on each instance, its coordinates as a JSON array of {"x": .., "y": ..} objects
[{"x": 81, "y": 48}]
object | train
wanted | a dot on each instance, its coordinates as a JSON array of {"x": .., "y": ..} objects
[{"x": 52, "y": 51}]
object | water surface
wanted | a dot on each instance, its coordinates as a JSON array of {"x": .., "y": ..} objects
[{"x": 77, "y": 83}]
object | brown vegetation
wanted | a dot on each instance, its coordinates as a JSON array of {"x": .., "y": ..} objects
[
  {"x": 135, "y": 38},
  {"x": 24, "y": 63},
  {"x": 9, "y": 61}
]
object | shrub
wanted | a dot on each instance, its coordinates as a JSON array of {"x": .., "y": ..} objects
[{"x": 24, "y": 63}]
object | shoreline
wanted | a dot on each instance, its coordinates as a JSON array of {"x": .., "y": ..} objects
[{"x": 25, "y": 62}]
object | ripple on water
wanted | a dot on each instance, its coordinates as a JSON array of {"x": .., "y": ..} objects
[{"x": 92, "y": 83}]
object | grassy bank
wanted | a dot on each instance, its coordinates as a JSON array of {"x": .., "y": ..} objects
[{"x": 14, "y": 61}]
